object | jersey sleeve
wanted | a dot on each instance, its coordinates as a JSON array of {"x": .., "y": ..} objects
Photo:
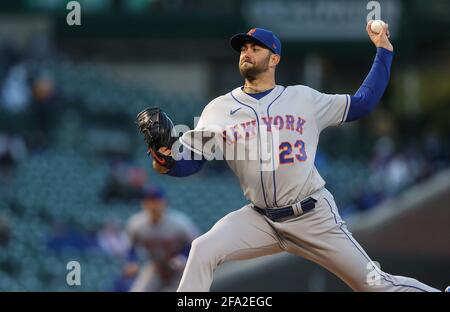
[
  {"x": 202, "y": 139},
  {"x": 131, "y": 228},
  {"x": 206, "y": 118},
  {"x": 329, "y": 109}
]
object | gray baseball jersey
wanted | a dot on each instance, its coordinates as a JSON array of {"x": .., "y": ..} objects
[
  {"x": 162, "y": 240},
  {"x": 279, "y": 135},
  {"x": 289, "y": 120}
]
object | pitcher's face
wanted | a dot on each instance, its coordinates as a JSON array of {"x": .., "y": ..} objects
[{"x": 254, "y": 60}]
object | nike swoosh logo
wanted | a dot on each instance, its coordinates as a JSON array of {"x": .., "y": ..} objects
[{"x": 234, "y": 111}]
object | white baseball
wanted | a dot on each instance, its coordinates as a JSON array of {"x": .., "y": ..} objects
[{"x": 377, "y": 26}]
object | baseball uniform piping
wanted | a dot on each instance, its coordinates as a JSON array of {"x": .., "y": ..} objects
[
  {"x": 273, "y": 163},
  {"x": 259, "y": 140},
  {"x": 363, "y": 253}
]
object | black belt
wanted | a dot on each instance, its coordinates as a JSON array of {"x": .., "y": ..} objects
[{"x": 285, "y": 213}]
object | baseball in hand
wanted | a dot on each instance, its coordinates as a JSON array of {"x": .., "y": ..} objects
[{"x": 376, "y": 26}]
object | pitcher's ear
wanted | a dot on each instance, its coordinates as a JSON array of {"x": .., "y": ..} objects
[{"x": 275, "y": 59}]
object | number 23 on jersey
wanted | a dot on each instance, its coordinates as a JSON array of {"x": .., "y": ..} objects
[{"x": 290, "y": 153}]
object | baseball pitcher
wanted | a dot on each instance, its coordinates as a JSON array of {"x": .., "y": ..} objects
[{"x": 272, "y": 132}]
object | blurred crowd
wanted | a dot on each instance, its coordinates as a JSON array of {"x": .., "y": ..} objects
[
  {"x": 393, "y": 168},
  {"x": 28, "y": 100},
  {"x": 145, "y": 6}
]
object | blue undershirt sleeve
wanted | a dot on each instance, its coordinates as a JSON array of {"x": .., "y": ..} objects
[
  {"x": 186, "y": 166},
  {"x": 373, "y": 87}
]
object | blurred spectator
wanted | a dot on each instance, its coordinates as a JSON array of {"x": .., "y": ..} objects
[
  {"x": 434, "y": 152},
  {"x": 12, "y": 151},
  {"x": 15, "y": 94},
  {"x": 383, "y": 150},
  {"x": 65, "y": 236},
  {"x": 44, "y": 101},
  {"x": 124, "y": 182},
  {"x": 112, "y": 239},
  {"x": 165, "y": 237},
  {"x": 397, "y": 175},
  {"x": 5, "y": 231}
]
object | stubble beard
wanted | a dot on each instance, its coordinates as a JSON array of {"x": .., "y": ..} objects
[{"x": 251, "y": 73}]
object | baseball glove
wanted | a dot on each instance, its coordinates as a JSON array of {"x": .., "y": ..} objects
[{"x": 157, "y": 129}]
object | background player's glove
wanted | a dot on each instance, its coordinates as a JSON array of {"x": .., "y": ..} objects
[{"x": 157, "y": 128}]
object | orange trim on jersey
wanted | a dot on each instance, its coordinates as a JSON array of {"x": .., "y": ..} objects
[
  {"x": 302, "y": 151},
  {"x": 290, "y": 120},
  {"x": 300, "y": 123},
  {"x": 275, "y": 123}
]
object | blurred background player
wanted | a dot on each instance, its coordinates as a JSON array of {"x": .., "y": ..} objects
[{"x": 164, "y": 236}]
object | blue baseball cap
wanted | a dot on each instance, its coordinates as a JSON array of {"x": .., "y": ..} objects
[
  {"x": 261, "y": 36},
  {"x": 153, "y": 192}
]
